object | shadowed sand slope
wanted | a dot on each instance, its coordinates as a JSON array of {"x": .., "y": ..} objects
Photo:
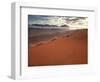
[{"x": 66, "y": 50}]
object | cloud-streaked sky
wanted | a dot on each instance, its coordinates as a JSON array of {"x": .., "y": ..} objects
[{"x": 71, "y": 21}]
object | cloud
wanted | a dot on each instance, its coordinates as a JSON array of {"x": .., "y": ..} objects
[{"x": 71, "y": 21}]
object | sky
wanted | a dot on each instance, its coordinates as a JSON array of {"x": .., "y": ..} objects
[{"x": 71, "y": 21}]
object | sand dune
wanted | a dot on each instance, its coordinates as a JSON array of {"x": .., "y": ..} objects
[{"x": 65, "y": 50}]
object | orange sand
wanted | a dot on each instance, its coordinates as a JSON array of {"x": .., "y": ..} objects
[{"x": 66, "y": 50}]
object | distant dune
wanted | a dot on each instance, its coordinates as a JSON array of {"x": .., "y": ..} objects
[{"x": 69, "y": 48}]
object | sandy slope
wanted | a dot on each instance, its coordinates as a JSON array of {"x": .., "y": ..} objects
[{"x": 69, "y": 49}]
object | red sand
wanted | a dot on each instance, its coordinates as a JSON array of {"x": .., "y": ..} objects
[{"x": 66, "y": 50}]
